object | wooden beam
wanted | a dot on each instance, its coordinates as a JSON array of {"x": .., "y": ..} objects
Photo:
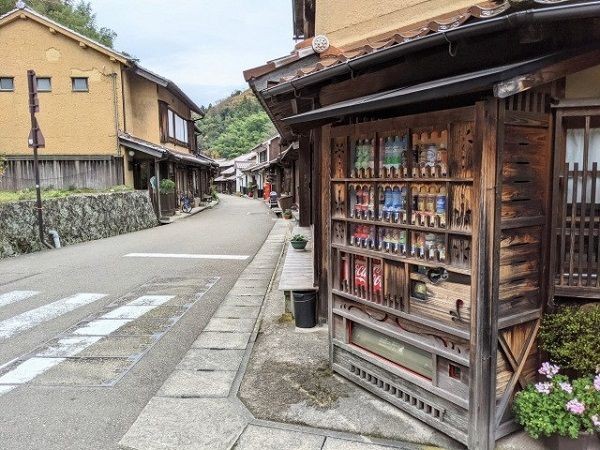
[
  {"x": 504, "y": 401},
  {"x": 305, "y": 194},
  {"x": 546, "y": 75},
  {"x": 484, "y": 309}
]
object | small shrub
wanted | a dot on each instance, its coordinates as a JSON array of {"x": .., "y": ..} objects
[
  {"x": 572, "y": 339},
  {"x": 299, "y": 238},
  {"x": 167, "y": 186},
  {"x": 558, "y": 406}
]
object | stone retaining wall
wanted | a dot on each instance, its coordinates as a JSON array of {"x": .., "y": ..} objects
[{"x": 77, "y": 218}]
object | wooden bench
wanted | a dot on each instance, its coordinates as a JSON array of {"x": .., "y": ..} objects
[{"x": 298, "y": 269}]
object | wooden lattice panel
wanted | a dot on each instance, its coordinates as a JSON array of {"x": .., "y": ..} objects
[
  {"x": 460, "y": 151},
  {"x": 339, "y": 158}
]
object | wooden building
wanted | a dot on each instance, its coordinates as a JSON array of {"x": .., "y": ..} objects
[{"x": 453, "y": 167}]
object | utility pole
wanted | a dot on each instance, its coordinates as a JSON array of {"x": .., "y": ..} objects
[{"x": 36, "y": 141}]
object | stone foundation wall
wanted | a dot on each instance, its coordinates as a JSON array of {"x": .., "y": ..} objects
[{"x": 77, "y": 218}]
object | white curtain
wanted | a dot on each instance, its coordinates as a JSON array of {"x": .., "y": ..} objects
[{"x": 575, "y": 143}]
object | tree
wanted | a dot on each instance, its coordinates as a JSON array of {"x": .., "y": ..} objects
[
  {"x": 78, "y": 16},
  {"x": 234, "y": 126}
]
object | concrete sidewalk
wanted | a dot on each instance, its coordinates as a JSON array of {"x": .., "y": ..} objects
[
  {"x": 198, "y": 406},
  {"x": 289, "y": 398}
]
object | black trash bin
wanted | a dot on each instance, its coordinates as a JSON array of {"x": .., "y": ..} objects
[{"x": 305, "y": 309}]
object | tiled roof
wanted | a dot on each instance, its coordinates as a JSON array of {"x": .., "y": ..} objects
[{"x": 335, "y": 56}]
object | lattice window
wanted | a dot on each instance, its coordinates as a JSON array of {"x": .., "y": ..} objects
[{"x": 577, "y": 203}]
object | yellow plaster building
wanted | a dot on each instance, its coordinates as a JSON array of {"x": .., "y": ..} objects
[{"x": 106, "y": 120}]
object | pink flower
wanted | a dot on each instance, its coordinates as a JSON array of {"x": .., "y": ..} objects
[
  {"x": 575, "y": 406},
  {"x": 543, "y": 388},
  {"x": 597, "y": 382},
  {"x": 549, "y": 370},
  {"x": 596, "y": 421},
  {"x": 566, "y": 387}
]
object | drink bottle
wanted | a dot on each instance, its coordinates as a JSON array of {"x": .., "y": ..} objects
[
  {"x": 388, "y": 202},
  {"x": 396, "y": 200},
  {"x": 440, "y": 207}
]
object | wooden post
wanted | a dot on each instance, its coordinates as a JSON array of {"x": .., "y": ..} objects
[
  {"x": 484, "y": 310},
  {"x": 305, "y": 181}
]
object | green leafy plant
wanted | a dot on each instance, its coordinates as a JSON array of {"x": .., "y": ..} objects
[
  {"x": 571, "y": 338},
  {"x": 288, "y": 214},
  {"x": 299, "y": 238},
  {"x": 76, "y": 15},
  {"x": 558, "y": 406},
  {"x": 167, "y": 186}
]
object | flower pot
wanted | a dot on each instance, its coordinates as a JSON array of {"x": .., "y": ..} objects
[
  {"x": 585, "y": 441},
  {"x": 299, "y": 245}
]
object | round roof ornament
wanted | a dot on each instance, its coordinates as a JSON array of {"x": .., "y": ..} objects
[
  {"x": 320, "y": 43},
  {"x": 20, "y": 4}
]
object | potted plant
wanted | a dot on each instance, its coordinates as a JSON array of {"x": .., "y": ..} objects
[
  {"x": 566, "y": 413},
  {"x": 287, "y": 215},
  {"x": 299, "y": 242},
  {"x": 166, "y": 189}
]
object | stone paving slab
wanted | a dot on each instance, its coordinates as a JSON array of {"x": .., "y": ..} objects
[
  {"x": 342, "y": 444},
  {"x": 222, "y": 340},
  {"x": 262, "y": 438},
  {"x": 186, "y": 424},
  {"x": 210, "y": 359},
  {"x": 238, "y": 325},
  {"x": 237, "y": 312},
  {"x": 192, "y": 384}
]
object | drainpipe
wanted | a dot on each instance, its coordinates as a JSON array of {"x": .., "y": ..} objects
[{"x": 116, "y": 112}]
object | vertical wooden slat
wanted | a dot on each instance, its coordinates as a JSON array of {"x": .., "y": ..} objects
[
  {"x": 563, "y": 225},
  {"x": 583, "y": 207},
  {"x": 592, "y": 229},
  {"x": 573, "y": 225}
]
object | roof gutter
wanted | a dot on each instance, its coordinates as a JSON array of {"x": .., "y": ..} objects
[{"x": 497, "y": 24}]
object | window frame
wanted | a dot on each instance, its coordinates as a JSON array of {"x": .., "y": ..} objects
[
  {"x": 171, "y": 132},
  {"x": 563, "y": 281},
  {"x": 12, "y": 80},
  {"x": 37, "y": 79},
  {"x": 87, "y": 84}
]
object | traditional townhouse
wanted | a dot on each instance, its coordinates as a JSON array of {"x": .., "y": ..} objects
[{"x": 106, "y": 120}]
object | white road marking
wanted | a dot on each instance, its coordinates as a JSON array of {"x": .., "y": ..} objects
[
  {"x": 151, "y": 300},
  {"x": 6, "y": 389},
  {"x": 186, "y": 256},
  {"x": 28, "y": 370},
  {"x": 101, "y": 327},
  {"x": 30, "y": 319},
  {"x": 69, "y": 346},
  {"x": 15, "y": 296},
  {"x": 83, "y": 337}
]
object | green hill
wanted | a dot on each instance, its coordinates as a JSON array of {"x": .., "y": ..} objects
[
  {"x": 76, "y": 15},
  {"x": 234, "y": 126}
]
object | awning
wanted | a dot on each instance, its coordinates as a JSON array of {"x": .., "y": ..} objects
[
  {"x": 260, "y": 166},
  {"x": 158, "y": 151},
  {"x": 477, "y": 81}
]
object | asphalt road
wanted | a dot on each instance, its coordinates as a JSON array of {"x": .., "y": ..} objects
[{"x": 87, "y": 335}]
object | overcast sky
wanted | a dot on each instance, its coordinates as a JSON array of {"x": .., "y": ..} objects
[{"x": 202, "y": 45}]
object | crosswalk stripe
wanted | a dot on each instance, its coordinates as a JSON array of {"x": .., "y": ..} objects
[
  {"x": 119, "y": 317},
  {"x": 82, "y": 337},
  {"x": 6, "y": 389},
  {"x": 69, "y": 346},
  {"x": 15, "y": 296},
  {"x": 28, "y": 370},
  {"x": 30, "y": 319}
]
